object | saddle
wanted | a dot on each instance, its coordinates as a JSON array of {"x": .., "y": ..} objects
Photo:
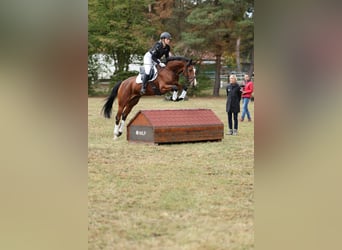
[{"x": 153, "y": 74}]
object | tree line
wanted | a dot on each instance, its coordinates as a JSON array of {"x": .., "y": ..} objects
[{"x": 125, "y": 29}]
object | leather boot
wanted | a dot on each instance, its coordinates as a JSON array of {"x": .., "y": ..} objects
[{"x": 144, "y": 84}]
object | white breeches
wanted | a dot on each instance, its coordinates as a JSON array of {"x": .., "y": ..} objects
[{"x": 148, "y": 62}]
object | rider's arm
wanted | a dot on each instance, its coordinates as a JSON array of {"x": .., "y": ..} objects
[
  {"x": 155, "y": 51},
  {"x": 167, "y": 53}
]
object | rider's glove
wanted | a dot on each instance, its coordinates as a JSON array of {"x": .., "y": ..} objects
[{"x": 162, "y": 65}]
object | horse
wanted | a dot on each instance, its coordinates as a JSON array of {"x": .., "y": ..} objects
[{"x": 128, "y": 91}]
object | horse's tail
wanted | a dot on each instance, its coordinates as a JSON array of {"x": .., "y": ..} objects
[{"x": 107, "y": 107}]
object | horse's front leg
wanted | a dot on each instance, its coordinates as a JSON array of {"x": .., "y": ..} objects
[
  {"x": 183, "y": 94},
  {"x": 164, "y": 88},
  {"x": 174, "y": 89}
]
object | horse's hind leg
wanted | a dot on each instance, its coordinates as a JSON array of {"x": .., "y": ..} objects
[
  {"x": 122, "y": 114},
  {"x": 122, "y": 125},
  {"x": 117, "y": 125},
  {"x": 116, "y": 128},
  {"x": 126, "y": 111}
]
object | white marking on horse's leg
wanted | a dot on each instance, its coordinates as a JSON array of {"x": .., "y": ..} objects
[
  {"x": 116, "y": 131},
  {"x": 174, "y": 95},
  {"x": 122, "y": 126},
  {"x": 182, "y": 95}
]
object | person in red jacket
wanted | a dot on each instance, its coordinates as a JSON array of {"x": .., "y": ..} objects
[{"x": 246, "y": 96}]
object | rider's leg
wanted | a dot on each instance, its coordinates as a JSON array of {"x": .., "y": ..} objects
[
  {"x": 144, "y": 84},
  {"x": 147, "y": 66}
]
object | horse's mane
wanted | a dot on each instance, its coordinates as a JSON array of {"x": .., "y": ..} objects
[{"x": 177, "y": 58}]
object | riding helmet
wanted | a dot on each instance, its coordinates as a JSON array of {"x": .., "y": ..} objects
[{"x": 165, "y": 35}]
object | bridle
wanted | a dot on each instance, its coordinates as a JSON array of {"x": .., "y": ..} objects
[
  {"x": 190, "y": 80},
  {"x": 185, "y": 71}
]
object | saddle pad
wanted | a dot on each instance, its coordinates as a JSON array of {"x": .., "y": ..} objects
[{"x": 155, "y": 74}]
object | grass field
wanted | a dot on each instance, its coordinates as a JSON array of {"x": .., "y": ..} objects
[{"x": 174, "y": 196}]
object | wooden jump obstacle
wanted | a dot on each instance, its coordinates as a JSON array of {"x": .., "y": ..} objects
[{"x": 179, "y": 125}]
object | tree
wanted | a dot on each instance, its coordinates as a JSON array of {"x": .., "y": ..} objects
[
  {"x": 244, "y": 34},
  {"x": 210, "y": 31},
  {"x": 246, "y": 27},
  {"x": 215, "y": 27},
  {"x": 118, "y": 28},
  {"x": 122, "y": 29}
]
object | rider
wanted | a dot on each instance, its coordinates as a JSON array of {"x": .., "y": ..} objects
[{"x": 160, "y": 48}]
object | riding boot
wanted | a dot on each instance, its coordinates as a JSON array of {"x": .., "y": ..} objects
[{"x": 144, "y": 84}]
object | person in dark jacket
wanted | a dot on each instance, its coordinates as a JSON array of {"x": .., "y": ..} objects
[
  {"x": 233, "y": 104},
  {"x": 160, "y": 49}
]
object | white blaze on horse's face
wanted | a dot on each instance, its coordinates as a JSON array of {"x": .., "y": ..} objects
[
  {"x": 191, "y": 75},
  {"x": 195, "y": 81}
]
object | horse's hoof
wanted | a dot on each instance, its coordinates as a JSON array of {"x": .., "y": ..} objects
[{"x": 116, "y": 136}]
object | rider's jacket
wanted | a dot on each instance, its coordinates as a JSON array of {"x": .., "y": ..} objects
[{"x": 158, "y": 51}]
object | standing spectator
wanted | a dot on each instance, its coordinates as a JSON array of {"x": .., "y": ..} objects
[
  {"x": 246, "y": 96},
  {"x": 233, "y": 104}
]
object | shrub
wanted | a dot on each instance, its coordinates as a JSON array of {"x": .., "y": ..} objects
[{"x": 122, "y": 75}]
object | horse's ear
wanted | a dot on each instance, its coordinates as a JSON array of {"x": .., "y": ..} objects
[{"x": 194, "y": 62}]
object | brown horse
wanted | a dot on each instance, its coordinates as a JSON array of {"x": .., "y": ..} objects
[{"x": 128, "y": 91}]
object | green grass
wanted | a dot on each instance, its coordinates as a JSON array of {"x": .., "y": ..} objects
[{"x": 174, "y": 196}]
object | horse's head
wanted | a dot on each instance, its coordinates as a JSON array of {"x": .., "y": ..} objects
[
  {"x": 190, "y": 73},
  {"x": 183, "y": 65}
]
